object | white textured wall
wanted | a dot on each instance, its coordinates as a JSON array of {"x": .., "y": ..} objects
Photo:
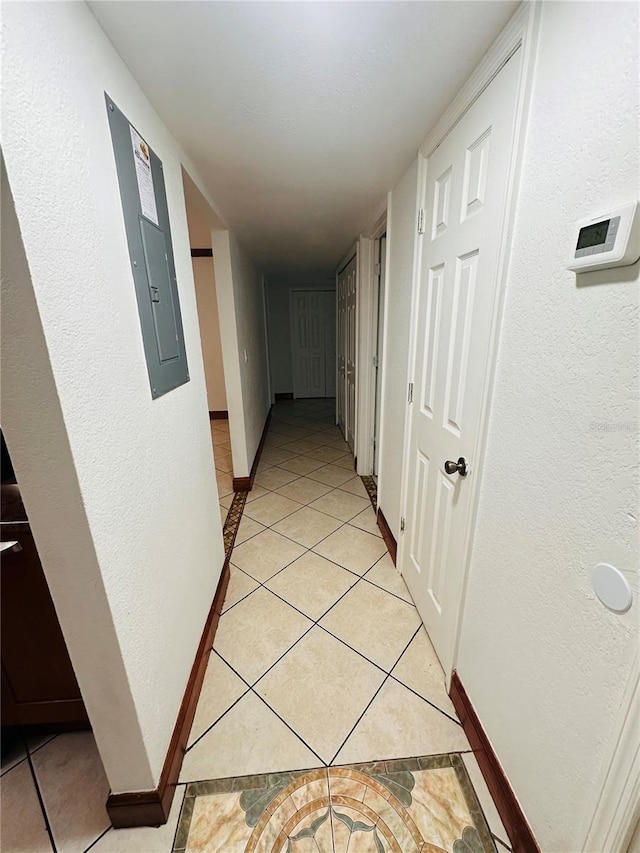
[
  {"x": 543, "y": 661},
  {"x": 242, "y": 329},
  {"x": 401, "y": 234},
  {"x": 252, "y": 346},
  {"x": 134, "y": 544},
  {"x": 210, "y": 333}
]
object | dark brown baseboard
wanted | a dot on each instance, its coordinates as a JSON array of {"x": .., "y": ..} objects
[
  {"x": 151, "y": 808},
  {"x": 202, "y": 253},
  {"x": 218, "y": 415},
  {"x": 509, "y": 809},
  {"x": 245, "y": 484},
  {"x": 242, "y": 484},
  {"x": 387, "y": 535},
  {"x": 287, "y": 396}
]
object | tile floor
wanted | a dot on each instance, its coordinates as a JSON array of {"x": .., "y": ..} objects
[{"x": 320, "y": 660}]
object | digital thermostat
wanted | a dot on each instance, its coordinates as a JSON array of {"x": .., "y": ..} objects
[{"x": 611, "y": 239}]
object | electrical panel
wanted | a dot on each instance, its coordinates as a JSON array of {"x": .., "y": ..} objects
[{"x": 146, "y": 219}]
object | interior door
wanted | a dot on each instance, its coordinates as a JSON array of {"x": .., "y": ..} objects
[
  {"x": 307, "y": 315},
  {"x": 350, "y": 352},
  {"x": 382, "y": 258},
  {"x": 465, "y": 206}
]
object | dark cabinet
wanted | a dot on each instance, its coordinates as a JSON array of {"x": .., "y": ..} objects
[{"x": 39, "y": 686}]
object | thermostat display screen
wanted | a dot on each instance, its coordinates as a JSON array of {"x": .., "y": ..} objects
[{"x": 593, "y": 235}]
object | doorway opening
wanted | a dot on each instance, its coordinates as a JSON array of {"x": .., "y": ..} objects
[{"x": 201, "y": 220}]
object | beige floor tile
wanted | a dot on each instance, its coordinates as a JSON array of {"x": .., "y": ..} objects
[
  {"x": 366, "y": 520},
  {"x": 274, "y": 477},
  {"x": 224, "y": 462},
  {"x": 340, "y": 444},
  {"x": 354, "y": 486},
  {"x": 225, "y": 444},
  {"x": 23, "y": 826},
  {"x": 332, "y": 475},
  {"x": 144, "y": 839},
  {"x": 326, "y": 454},
  {"x": 301, "y": 446},
  {"x": 374, "y": 623},
  {"x": 74, "y": 789},
  {"x": 256, "y": 492},
  {"x": 226, "y": 500},
  {"x": 420, "y": 669},
  {"x": 275, "y": 456},
  {"x": 352, "y": 548},
  {"x": 345, "y": 460},
  {"x": 240, "y": 585},
  {"x": 320, "y": 688},
  {"x": 249, "y": 739},
  {"x": 385, "y": 575},
  {"x": 340, "y": 505},
  {"x": 312, "y": 584},
  {"x": 246, "y": 529},
  {"x": 307, "y": 526},
  {"x": 253, "y": 634},
  {"x": 270, "y": 508},
  {"x": 265, "y": 554},
  {"x": 398, "y": 724},
  {"x": 304, "y": 490},
  {"x": 223, "y": 514},
  {"x": 225, "y": 484},
  {"x": 275, "y": 439},
  {"x": 220, "y": 689},
  {"x": 486, "y": 800},
  {"x": 301, "y": 465}
]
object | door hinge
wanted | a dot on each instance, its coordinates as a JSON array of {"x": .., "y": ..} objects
[
  {"x": 421, "y": 221},
  {"x": 411, "y": 392},
  {"x": 378, "y": 269},
  {"x": 402, "y": 523}
]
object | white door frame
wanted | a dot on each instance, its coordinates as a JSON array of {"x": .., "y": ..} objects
[
  {"x": 354, "y": 251},
  {"x": 367, "y": 314},
  {"x": 614, "y": 809},
  {"x": 520, "y": 33}
]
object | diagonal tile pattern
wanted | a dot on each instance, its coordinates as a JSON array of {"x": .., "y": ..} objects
[
  {"x": 318, "y": 625},
  {"x": 320, "y": 659}
]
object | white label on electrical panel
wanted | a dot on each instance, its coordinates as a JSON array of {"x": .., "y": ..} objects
[{"x": 145, "y": 178}]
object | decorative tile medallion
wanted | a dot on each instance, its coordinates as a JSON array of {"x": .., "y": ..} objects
[
  {"x": 232, "y": 521},
  {"x": 418, "y": 805},
  {"x": 372, "y": 490}
]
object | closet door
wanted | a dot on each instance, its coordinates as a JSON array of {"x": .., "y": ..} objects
[{"x": 307, "y": 340}]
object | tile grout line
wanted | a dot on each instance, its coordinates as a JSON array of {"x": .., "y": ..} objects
[
  {"x": 40, "y": 798},
  {"x": 95, "y": 841},
  {"x": 292, "y": 730},
  {"x": 388, "y": 676}
]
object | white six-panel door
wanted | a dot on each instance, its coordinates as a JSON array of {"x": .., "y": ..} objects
[
  {"x": 465, "y": 201},
  {"x": 312, "y": 341}
]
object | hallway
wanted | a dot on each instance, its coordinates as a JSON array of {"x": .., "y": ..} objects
[{"x": 319, "y": 660}]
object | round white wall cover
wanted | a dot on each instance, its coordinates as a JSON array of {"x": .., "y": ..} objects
[{"x": 611, "y": 587}]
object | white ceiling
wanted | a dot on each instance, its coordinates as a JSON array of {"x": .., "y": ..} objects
[{"x": 300, "y": 116}]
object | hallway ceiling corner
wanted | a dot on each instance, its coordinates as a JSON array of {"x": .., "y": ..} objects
[{"x": 300, "y": 116}]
